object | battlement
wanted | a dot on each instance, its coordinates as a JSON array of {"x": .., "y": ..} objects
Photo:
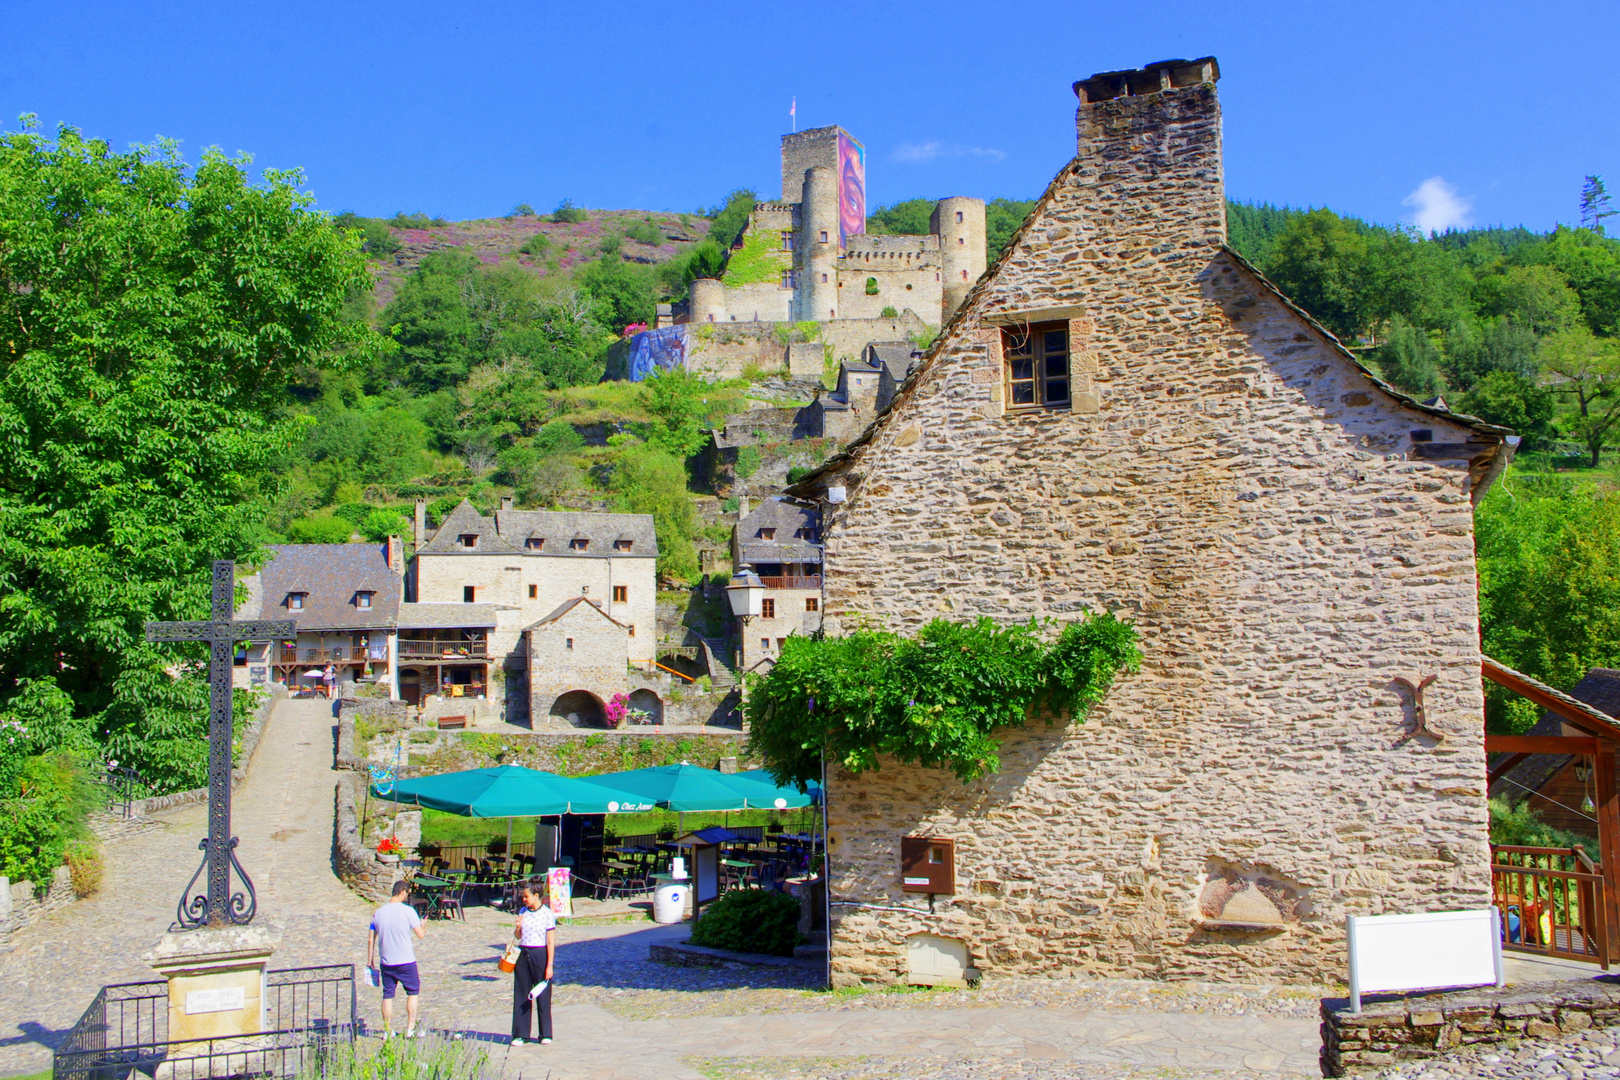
[{"x": 1151, "y": 79}]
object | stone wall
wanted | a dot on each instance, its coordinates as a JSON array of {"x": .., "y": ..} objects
[
  {"x": 1417, "y": 1028},
  {"x": 357, "y": 865},
  {"x": 22, "y": 905},
  {"x": 583, "y": 650},
  {"x": 1266, "y": 515}
]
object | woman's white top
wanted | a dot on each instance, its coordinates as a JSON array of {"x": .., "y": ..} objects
[{"x": 533, "y": 924}]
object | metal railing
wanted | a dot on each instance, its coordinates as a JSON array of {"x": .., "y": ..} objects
[
  {"x": 125, "y": 1031},
  {"x": 124, "y": 786},
  {"x": 427, "y": 649},
  {"x": 783, "y": 582},
  {"x": 1552, "y": 902}
]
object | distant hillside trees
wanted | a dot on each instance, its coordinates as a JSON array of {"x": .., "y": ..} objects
[
  {"x": 912, "y": 217},
  {"x": 730, "y": 217}
]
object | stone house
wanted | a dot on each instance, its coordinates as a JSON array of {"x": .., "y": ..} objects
[
  {"x": 477, "y": 584},
  {"x": 578, "y": 656},
  {"x": 345, "y": 599},
  {"x": 1123, "y": 415},
  {"x": 781, "y": 541}
]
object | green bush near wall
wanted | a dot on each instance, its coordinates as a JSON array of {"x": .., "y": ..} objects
[{"x": 759, "y": 260}]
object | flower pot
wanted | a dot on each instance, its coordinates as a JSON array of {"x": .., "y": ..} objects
[{"x": 387, "y": 860}]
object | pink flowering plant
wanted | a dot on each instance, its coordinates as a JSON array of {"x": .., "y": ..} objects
[{"x": 618, "y": 709}]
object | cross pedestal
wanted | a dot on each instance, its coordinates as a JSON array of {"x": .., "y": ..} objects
[{"x": 218, "y": 998}]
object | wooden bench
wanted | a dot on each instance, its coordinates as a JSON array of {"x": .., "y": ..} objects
[{"x": 450, "y": 723}]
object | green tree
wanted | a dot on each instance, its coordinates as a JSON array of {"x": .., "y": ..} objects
[
  {"x": 153, "y": 317},
  {"x": 677, "y": 400},
  {"x": 910, "y": 217},
  {"x": 1002, "y": 218},
  {"x": 380, "y": 524},
  {"x": 320, "y": 530},
  {"x": 1409, "y": 359},
  {"x": 1320, "y": 262},
  {"x": 730, "y": 218},
  {"x": 1475, "y": 350},
  {"x": 648, "y": 480},
  {"x": 1595, "y": 204},
  {"x": 568, "y": 213},
  {"x": 623, "y": 293},
  {"x": 1511, "y": 400},
  {"x": 1588, "y": 372},
  {"x": 1537, "y": 297}
]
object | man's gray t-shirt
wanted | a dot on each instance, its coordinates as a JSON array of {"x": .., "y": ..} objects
[{"x": 395, "y": 923}]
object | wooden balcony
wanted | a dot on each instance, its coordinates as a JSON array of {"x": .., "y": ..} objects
[
  {"x": 429, "y": 649},
  {"x": 792, "y": 582},
  {"x": 336, "y": 654}
]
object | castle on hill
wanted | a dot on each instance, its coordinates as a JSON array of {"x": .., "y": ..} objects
[{"x": 807, "y": 260}]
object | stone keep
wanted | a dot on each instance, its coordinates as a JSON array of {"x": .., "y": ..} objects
[{"x": 1287, "y": 534}]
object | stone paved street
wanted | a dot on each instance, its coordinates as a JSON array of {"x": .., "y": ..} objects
[{"x": 618, "y": 1014}]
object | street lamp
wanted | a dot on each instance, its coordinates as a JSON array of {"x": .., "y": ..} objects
[{"x": 745, "y": 593}]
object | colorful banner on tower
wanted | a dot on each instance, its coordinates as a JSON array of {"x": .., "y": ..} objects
[{"x": 851, "y": 189}]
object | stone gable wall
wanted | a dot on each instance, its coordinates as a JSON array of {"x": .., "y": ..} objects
[
  {"x": 1234, "y": 486},
  {"x": 598, "y": 661}
]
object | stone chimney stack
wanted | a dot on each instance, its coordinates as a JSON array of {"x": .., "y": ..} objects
[
  {"x": 507, "y": 502},
  {"x": 420, "y": 536},
  {"x": 1150, "y": 151},
  {"x": 395, "y": 550},
  {"x": 742, "y": 507}
]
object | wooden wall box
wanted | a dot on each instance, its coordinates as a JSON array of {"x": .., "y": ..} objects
[{"x": 928, "y": 865}]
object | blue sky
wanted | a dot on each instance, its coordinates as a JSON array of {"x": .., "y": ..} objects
[{"x": 1487, "y": 112}]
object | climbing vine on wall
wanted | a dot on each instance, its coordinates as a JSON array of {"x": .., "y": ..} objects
[
  {"x": 760, "y": 259},
  {"x": 937, "y": 699}
]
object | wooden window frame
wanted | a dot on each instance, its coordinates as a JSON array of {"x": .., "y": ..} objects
[
  {"x": 621, "y": 594},
  {"x": 812, "y": 604},
  {"x": 534, "y": 592},
  {"x": 362, "y": 598},
  {"x": 1033, "y": 343},
  {"x": 767, "y": 608},
  {"x": 468, "y": 540}
]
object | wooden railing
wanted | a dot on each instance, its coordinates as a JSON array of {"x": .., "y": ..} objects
[
  {"x": 425, "y": 649},
  {"x": 813, "y": 582},
  {"x": 357, "y": 654},
  {"x": 1552, "y": 902}
]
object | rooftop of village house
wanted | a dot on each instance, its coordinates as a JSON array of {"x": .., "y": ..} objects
[
  {"x": 334, "y": 586},
  {"x": 465, "y": 531}
]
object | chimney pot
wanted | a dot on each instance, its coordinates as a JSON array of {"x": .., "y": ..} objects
[{"x": 506, "y": 502}]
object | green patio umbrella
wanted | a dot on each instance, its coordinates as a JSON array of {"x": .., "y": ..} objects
[
  {"x": 686, "y": 788},
  {"x": 510, "y": 791},
  {"x": 774, "y": 796}
]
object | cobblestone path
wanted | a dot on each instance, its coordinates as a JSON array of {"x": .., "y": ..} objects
[{"x": 618, "y": 1014}]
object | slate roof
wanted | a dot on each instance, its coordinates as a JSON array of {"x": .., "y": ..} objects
[
  {"x": 786, "y": 518},
  {"x": 466, "y": 519},
  {"x": 330, "y": 575},
  {"x": 558, "y": 527},
  {"x": 569, "y": 605},
  {"x": 1599, "y": 689},
  {"x": 446, "y": 616},
  {"x": 894, "y": 355}
]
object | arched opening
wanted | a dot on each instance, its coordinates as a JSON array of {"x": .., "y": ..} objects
[
  {"x": 648, "y": 702},
  {"x": 581, "y": 708}
]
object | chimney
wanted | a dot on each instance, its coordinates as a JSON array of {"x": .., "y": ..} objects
[
  {"x": 1149, "y": 153},
  {"x": 506, "y": 503},
  {"x": 742, "y": 507},
  {"x": 421, "y": 524},
  {"x": 395, "y": 551}
]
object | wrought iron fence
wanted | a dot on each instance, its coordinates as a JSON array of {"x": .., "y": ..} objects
[
  {"x": 123, "y": 786},
  {"x": 125, "y": 1031},
  {"x": 1552, "y": 902}
]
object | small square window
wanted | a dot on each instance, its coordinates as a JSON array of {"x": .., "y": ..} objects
[
  {"x": 824, "y": 279},
  {"x": 621, "y": 594},
  {"x": 787, "y": 241},
  {"x": 765, "y": 643},
  {"x": 295, "y": 601},
  {"x": 579, "y": 544},
  {"x": 959, "y": 217},
  {"x": 787, "y": 279},
  {"x": 767, "y": 608},
  {"x": 536, "y": 543},
  {"x": 770, "y": 534},
  {"x": 623, "y": 545},
  {"x": 823, "y": 236},
  {"x": 570, "y": 644},
  {"x": 1037, "y": 365},
  {"x": 467, "y": 594},
  {"x": 469, "y": 540},
  {"x": 362, "y": 599},
  {"x": 632, "y": 629},
  {"x": 811, "y": 604},
  {"x": 534, "y": 592}
]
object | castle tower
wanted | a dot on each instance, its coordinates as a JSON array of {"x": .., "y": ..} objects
[
  {"x": 816, "y": 298},
  {"x": 959, "y": 224},
  {"x": 707, "y": 301},
  {"x": 813, "y": 148}
]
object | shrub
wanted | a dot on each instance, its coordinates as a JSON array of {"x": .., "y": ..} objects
[
  {"x": 403, "y": 220},
  {"x": 85, "y": 867},
  {"x": 748, "y": 459},
  {"x": 381, "y": 524},
  {"x": 522, "y": 209},
  {"x": 355, "y": 513},
  {"x": 871, "y": 286},
  {"x": 890, "y": 313},
  {"x": 332, "y": 530},
  {"x": 797, "y": 473},
  {"x": 42, "y": 810},
  {"x": 646, "y": 232},
  {"x": 568, "y": 213},
  {"x": 752, "y": 921}
]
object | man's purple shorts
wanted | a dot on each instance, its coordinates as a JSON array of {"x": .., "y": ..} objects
[{"x": 403, "y": 975}]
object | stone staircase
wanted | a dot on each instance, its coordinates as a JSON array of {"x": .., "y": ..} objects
[{"x": 717, "y": 660}]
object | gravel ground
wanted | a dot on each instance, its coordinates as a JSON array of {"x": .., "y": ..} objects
[
  {"x": 1592, "y": 1055},
  {"x": 932, "y": 1068}
]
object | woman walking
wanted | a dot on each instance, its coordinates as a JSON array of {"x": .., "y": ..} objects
[{"x": 536, "y": 935}]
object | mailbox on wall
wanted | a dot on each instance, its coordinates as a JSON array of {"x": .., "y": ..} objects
[{"x": 928, "y": 865}]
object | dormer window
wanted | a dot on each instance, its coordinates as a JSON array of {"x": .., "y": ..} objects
[
  {"x": 622, "y": 545},
  {"x": 767, "y": 534},
  {"x": 579, "y": 543},
  {"x": 469, "y": 540},
  {"x": 536, "y": 543},
  {"x": 295, "y": 601},
  {"x": 362, "y": 599}
]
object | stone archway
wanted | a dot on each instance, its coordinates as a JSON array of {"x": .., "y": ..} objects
[
  {"x": 646, "y": 699},
  {"x": 581, "y": 708}
]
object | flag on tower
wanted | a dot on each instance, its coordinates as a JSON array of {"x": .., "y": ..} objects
[{"x": 793, "y": 111}]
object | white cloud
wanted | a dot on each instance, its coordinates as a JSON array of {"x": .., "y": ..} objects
[
  {"x": 919, "y": 153},
  {"x": 1439, "y": 207}
]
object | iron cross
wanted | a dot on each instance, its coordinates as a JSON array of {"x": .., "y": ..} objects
[{"x": 219, "y": 907}]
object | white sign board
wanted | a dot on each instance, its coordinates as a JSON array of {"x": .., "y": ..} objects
[
  {"x": 1427, "y": 951},
  {"x": 225, "y": 999}
]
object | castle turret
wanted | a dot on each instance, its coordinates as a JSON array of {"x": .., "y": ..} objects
[
  {"x": 817, "y": 295},
  {"x": 707, "y": 301},
  {"x": 959, "y": 224}
]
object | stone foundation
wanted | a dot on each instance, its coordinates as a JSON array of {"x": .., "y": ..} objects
[
  {"x": 1417, "y": 1028},
  {"x": 357, "y": 865}
]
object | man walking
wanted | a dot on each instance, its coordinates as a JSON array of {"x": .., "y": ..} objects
[{"x": 390, "y": 942}]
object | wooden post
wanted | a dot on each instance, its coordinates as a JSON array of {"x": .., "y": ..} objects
[{"x": 1608, "y": 799}]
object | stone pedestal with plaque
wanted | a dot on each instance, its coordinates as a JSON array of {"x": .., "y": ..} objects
[{"x": 217, "y": 995}]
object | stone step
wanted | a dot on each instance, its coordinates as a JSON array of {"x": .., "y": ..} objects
[
  {"x": 817, "y": 937},
  {"x": 810, "y": 952}
]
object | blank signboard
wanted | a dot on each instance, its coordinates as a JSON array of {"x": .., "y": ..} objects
[{"x": 1423, "y": 952}]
